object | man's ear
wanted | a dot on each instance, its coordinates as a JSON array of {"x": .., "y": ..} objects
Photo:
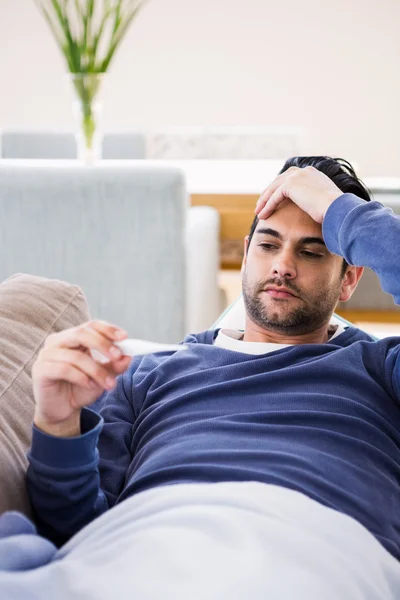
[
  {"x": 350, "y": 282},
  {"x": 245, "y": 249}
]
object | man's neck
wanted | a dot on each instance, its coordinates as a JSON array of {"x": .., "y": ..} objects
[{"x": 254, "y": 333}]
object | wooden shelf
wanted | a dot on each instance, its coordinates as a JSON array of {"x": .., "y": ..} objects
[
  {"x": 370, "y": 316},
  {"x": 236, "y": 213}
]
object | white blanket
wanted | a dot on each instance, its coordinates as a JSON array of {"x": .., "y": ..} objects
[{"x": 233, "y": 541}]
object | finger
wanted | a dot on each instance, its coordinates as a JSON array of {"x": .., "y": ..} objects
[
  {"x": 111, "y": 331},
  {"x": 104, "y": 378},
  {"x": 267, "y": 193},
  {"x": 118, "y": 366},
  {"x": 61, "y": 371},
  {"x": 111, "y": 369},
  {"x": 87, "y": 336},
  {"x": 276, "y": 183},
  {"x": 277, "y": 197}
]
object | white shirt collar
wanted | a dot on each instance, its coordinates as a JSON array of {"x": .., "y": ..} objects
[{"x": 232, "y": 339}]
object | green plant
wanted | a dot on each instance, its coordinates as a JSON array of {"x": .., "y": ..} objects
[{"x": 88, "y": 33}]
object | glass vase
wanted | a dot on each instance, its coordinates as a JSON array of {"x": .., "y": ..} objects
[{"x": 87, "y": 107}]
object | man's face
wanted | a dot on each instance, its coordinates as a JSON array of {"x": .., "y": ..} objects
[{"x": 304, "y": 266}]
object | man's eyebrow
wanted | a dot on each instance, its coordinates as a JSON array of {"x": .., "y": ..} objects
[{"x": 304, "y": 240}]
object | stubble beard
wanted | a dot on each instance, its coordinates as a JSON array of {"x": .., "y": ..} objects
[{"x": 306, "y": 317}]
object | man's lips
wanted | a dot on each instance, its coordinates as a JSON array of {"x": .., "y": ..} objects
[{"x": 279, "y": 292}]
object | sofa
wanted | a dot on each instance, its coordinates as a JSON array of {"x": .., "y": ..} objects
[{"x": 125, "y": 234}]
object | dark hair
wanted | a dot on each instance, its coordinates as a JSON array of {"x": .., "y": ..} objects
[{"x": 339, "y": 170}]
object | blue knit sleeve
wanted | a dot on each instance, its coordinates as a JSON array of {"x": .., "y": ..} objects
[
  {"x": 366, "y": 234},
  {"x": 68, "y": 484}
]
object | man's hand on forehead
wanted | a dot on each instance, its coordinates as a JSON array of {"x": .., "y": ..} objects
[{"x": 310, "y": 189}]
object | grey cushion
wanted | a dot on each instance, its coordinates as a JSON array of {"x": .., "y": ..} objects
[
  {"x": 115, "y": 231},
  {"x": 30, "y": 309}
]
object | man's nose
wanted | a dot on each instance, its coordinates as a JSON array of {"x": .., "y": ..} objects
[{"x": 284, "y": 265}]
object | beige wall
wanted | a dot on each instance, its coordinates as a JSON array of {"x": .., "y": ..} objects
[{"x": 330, "y": 67}]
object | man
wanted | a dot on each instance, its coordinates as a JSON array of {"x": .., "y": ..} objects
[{"x": 294, "y": 416}]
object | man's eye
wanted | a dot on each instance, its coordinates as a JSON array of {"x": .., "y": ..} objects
[
  {"x": 312, "y": 254},
  {"x": 306, "y": 253},
  {"x": 267, "y": 246}
]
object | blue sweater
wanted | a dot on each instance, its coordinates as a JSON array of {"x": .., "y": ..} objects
[{"x": 322, "y": 419}]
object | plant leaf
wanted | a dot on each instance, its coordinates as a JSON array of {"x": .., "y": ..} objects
[
  {"x": 120, "y": 34},
  {"x": 87, "y": 23},
  {"x": 57, "y": 32},
  {"x": 96, "y": 40},
  {"x": 81, "y": 49},
  {"x": 79, "y": 14},
  {"x": 72, "y": 46}
]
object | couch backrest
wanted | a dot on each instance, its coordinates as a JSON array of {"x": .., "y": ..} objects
[{"x": 115, "y": 231}]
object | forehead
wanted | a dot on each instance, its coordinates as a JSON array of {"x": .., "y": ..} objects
[{"x": 291, "y": 221}]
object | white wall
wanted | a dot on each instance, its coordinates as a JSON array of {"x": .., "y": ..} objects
[{"x": 331, "y": 67}]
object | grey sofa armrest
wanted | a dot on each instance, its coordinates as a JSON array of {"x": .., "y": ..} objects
[{"x": 203, "y": 258}]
